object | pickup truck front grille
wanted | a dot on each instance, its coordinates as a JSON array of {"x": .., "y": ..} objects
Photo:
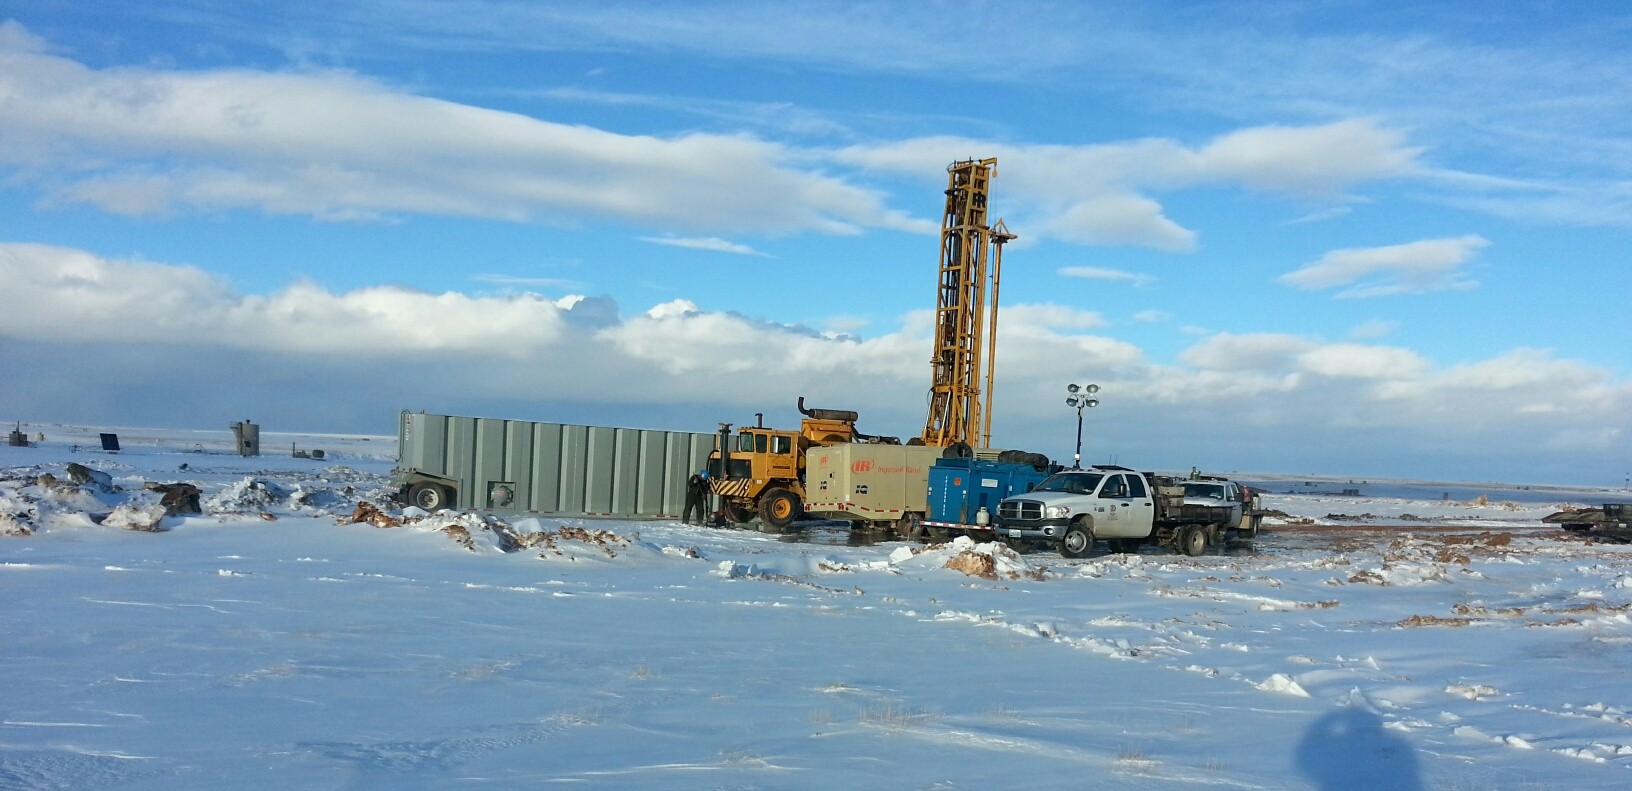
[{"x": 1020, "y": 509}]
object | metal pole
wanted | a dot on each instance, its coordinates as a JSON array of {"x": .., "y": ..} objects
[{"x": 1078, "y": 464}]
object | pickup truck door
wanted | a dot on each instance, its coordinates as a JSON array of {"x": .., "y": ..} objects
[{"x": 1124, "y": 508}]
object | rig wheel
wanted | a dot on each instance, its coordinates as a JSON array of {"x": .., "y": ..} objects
[
  {"x": 430, "y": 497},
  {"x": 779, "y": 507}
]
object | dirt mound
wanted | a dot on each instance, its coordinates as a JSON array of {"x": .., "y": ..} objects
[{"x": 974, "y": 564}]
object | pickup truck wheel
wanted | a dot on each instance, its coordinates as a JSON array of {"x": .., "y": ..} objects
[
  {"x": 910, "y": 526},
  {"x": 1193, "y": 540},
  {"x": 778, "y": 508},
  {"x": 430, "y": 497},
  {"x": 1078, "y": 541}
]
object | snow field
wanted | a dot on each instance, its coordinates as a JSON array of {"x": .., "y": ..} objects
[{"x": 234, "y": 650}]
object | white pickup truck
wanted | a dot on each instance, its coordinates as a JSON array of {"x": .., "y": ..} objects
[{"x": 1126, "y": 508}]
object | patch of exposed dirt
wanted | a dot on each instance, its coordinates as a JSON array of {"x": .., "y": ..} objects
[
  {"x": 1435, "y": 620},
  {"x": 974, "y": 564}
]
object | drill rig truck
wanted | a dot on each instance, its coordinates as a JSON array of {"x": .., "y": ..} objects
[
  {"x": 762, "y": 470},
  {"x": 877, "y": 480}
]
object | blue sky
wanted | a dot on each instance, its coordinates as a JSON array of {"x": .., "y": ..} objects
[{"x": 1332, "y": 237}]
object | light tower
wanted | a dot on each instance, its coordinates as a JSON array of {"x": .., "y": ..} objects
[{"x": 1080, "y": 397}]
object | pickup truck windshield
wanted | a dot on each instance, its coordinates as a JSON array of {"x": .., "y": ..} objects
[
  {"x": 1071, "y": 483},
  {"x": 1204, "y": 491}
]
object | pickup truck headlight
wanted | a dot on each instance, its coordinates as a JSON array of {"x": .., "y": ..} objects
[{"x": 1057, "y": 511}]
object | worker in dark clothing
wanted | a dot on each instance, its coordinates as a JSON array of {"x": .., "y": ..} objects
[{"x": 696, "y": 498}]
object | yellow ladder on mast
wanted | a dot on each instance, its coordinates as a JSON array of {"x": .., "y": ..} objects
[{"x": 965, "y": 334}]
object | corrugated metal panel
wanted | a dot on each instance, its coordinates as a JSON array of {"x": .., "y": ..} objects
[
  {"x": 556, "y": 468},
  {"x": 518, "y": 460},
  {"x": 626, "y": 472},
  {"x": 600, "y": 466},
  {"x": 547, "y": 467},
  {"x": 489, "y": 467},
  {"x": 676, "y": 455},
  {"x": 649, "y": 470},
  {"x": 461, "y": 458},
  {"x": 574, "y": 469}
]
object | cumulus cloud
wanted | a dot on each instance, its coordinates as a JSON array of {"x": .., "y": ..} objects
[
  {"x": 711, "y": 244},
  {"x": 1411, "y": 268},
  {"x": 1247, "y": 352},
  {"x": 88, "y": 331},
  {"x": 1104, "y": 273},
  {"x": 1357, "y": 361},
  {"x": 1151, "y": 316}
]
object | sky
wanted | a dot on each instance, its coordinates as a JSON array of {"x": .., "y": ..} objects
[{"x": 1346, "y": 238}]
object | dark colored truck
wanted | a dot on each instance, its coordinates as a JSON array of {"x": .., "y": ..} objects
[{"x": 1613, "y": 521}]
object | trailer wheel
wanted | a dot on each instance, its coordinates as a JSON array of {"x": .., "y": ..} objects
[
  {"x": 1078, "y": 540},
  {"x": 779, "y": 507},
  {"x": 910, "y": 526},
  {"x": 1193, "y": 540},
  {"x": 430, "y": 496}
]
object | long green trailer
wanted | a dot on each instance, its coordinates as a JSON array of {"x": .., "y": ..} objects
[{"x": 522, "y": 466}]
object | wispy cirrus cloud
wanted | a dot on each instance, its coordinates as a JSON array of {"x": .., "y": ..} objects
[
  {"x": 711, "y": 244},
  {"x": 1105, "y": 273},
  {"x": 1412, "y": 268}
]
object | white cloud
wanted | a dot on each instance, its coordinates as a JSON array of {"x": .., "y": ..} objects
[
  {"x": 333, "y": 145},
  {"x": 1371, "y": 330},
  {"x": 1151, "y": 316},
  {"x": 711, "y": 244},
  {"x": 97, "y": 329},
  {"x": 1096, "y": 193},
  {"x": 1228, "y": 352},
  {"x": 75, "y": 296},
  {"x": 1317, "y": 160},
  {"x": 673, "y": 309},
  {"x": 1356, "y": 361},
  {"x": 1051, "y": 316},
  {"x": 1322, "y": 215},
  {"x": 1411, "y": 268},
  {"x": 336, "y": 146},
  {"x": 1104, "y": 273}
]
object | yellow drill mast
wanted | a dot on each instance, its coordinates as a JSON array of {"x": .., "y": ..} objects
[{"x": 962, "y": 327}]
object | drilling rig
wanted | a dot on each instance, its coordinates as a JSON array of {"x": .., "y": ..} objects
[
  {"x": 763, "y": 471},
  {"x": 965, "y": 352}
]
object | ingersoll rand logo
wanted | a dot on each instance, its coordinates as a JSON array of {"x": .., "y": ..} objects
[{"x": 864, "y": 465}]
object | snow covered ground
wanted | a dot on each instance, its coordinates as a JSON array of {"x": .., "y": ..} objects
[{"x": 1411, "y": 637}]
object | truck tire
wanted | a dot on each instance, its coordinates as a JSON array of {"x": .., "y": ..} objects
[
  {"x": 430, "y": 497},
  {"x": 958, "y": 450},
  {"x": 910, "y": 526},
  {"x": 736, "y": 513},
  {"x": 779, "y": 507},
  {"x": 1193, "y": 540},
  {"x": 1078, "y": 541}
]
